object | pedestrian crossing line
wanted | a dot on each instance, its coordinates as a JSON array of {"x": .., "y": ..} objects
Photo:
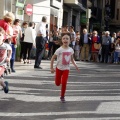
[
  {"x": 80, "y": 90},
  {"x": 52, "y": 82},
  {"x": 103, "y": 118},
  {"x": 40, "y": 98},
  {"x": 60, "y": 113}
]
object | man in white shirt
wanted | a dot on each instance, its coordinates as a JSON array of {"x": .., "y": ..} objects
[{"x": 40, "y": 41}]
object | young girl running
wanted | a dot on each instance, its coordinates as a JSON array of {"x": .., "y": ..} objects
[
  {"x": 5, "y": 55},
  {"x": 64, "y": 55}
]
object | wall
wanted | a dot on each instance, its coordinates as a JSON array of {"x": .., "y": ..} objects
[
  {"x": 41, "y": 8},
  {"x": 73, "y": 12},
  {"x": 2, "y": 7}
]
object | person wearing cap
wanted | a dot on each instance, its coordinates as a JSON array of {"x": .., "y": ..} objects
[
  {"x": 40, "y": 41},
  {"x": 106, "y": 42}
]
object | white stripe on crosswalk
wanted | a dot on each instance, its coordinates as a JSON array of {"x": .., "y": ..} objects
[{"x": 57, "y": 113}]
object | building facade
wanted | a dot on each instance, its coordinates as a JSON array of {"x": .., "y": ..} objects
[
  {"x": 115, "y": 15},
  {"x": 52, "y": 9},
  {"x": 71, "y": 13}
]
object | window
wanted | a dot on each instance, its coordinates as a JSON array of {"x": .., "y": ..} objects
[{"x": 117, "y": 15}]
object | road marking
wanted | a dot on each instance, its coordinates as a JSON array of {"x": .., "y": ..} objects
[{"x": 57, "y": 113}]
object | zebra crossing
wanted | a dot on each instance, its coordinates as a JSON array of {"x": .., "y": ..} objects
[{"x": 92, "y": 94}]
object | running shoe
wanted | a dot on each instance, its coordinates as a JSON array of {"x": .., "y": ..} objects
[{"x": 6, "y": 89}]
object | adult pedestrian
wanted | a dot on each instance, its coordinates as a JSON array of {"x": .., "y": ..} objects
[
  {"x": 24, "y": 26},
  {"x": 117, "y": 50},
  {"x": 95, "y": 40},
  {"x": 6, "y": 22},
  {"x": 106, "y": 42},
  {"x": 40, "y": 41},
  {"x": 16, "y": 32},
  {"x": 65, "y": 29},
  {"x": 85, "y": 41},
  {"x": 29, "y": 41},
  {"x": 55, "y": 42},
  {"x": 50, "y": 45},
  {"x": 73, "y": 37},
  {"x": 113, "y": 39}
]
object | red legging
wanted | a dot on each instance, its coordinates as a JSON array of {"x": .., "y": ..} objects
[{"x": 61, "y": 78}]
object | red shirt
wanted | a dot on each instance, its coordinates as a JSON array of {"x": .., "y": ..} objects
[
  {"x": 94, "y": 40},
  {"x": 4, "y": 25}
]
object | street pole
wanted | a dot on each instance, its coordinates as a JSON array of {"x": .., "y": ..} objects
[{"x": 88, "y": 16}]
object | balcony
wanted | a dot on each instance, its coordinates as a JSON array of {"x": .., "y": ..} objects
[{"x": 76, "y": 4}]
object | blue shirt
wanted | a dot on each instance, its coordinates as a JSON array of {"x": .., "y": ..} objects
[
  {"x": 85, "y": 38},
  {"x": 106, "y": 40}
]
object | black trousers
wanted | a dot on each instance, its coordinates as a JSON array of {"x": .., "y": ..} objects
[
  {"x": 40, "y": 45},
  {"x": 22, "y": 50},
  {"x": 105, "y": 53},
  {"x": 27, "y": 50}
]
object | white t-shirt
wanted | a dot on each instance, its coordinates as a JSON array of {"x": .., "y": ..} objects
[
  {"x": 64, "y": 58},
  {"x": 16, "y": 29},
  {"x": 41, "y": 28},
  {"x": 3, "y": 53},
  {"x": 30, "y": 35}
]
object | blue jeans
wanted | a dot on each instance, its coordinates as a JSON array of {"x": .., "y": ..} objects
[
  {"x": 13, "y": 51},
  {"x": 116, "y": 57}
]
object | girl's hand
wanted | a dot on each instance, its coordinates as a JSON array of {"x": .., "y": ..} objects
[
  {"x": 52, "y": 70},
  {"x": 7, "y": 59},
  {"x": 77, "y": 69}
]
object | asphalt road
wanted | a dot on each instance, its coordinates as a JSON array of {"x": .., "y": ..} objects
[{"x": 92, "y": 94}]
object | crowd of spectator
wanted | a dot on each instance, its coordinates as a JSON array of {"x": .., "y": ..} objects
[
  {"x": 92, "y": 47},
  {"x": 104, "y": 48},
  {"x": 29, "y": 40}
]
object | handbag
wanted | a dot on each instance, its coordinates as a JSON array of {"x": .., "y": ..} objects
[{"x": 97, "y": 46}]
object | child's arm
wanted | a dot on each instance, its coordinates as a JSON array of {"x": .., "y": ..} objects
[
  {"x": 74, "y": 63},
  {"x": 9, "y": 55},
  {"x": 52, "y": 62}
]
